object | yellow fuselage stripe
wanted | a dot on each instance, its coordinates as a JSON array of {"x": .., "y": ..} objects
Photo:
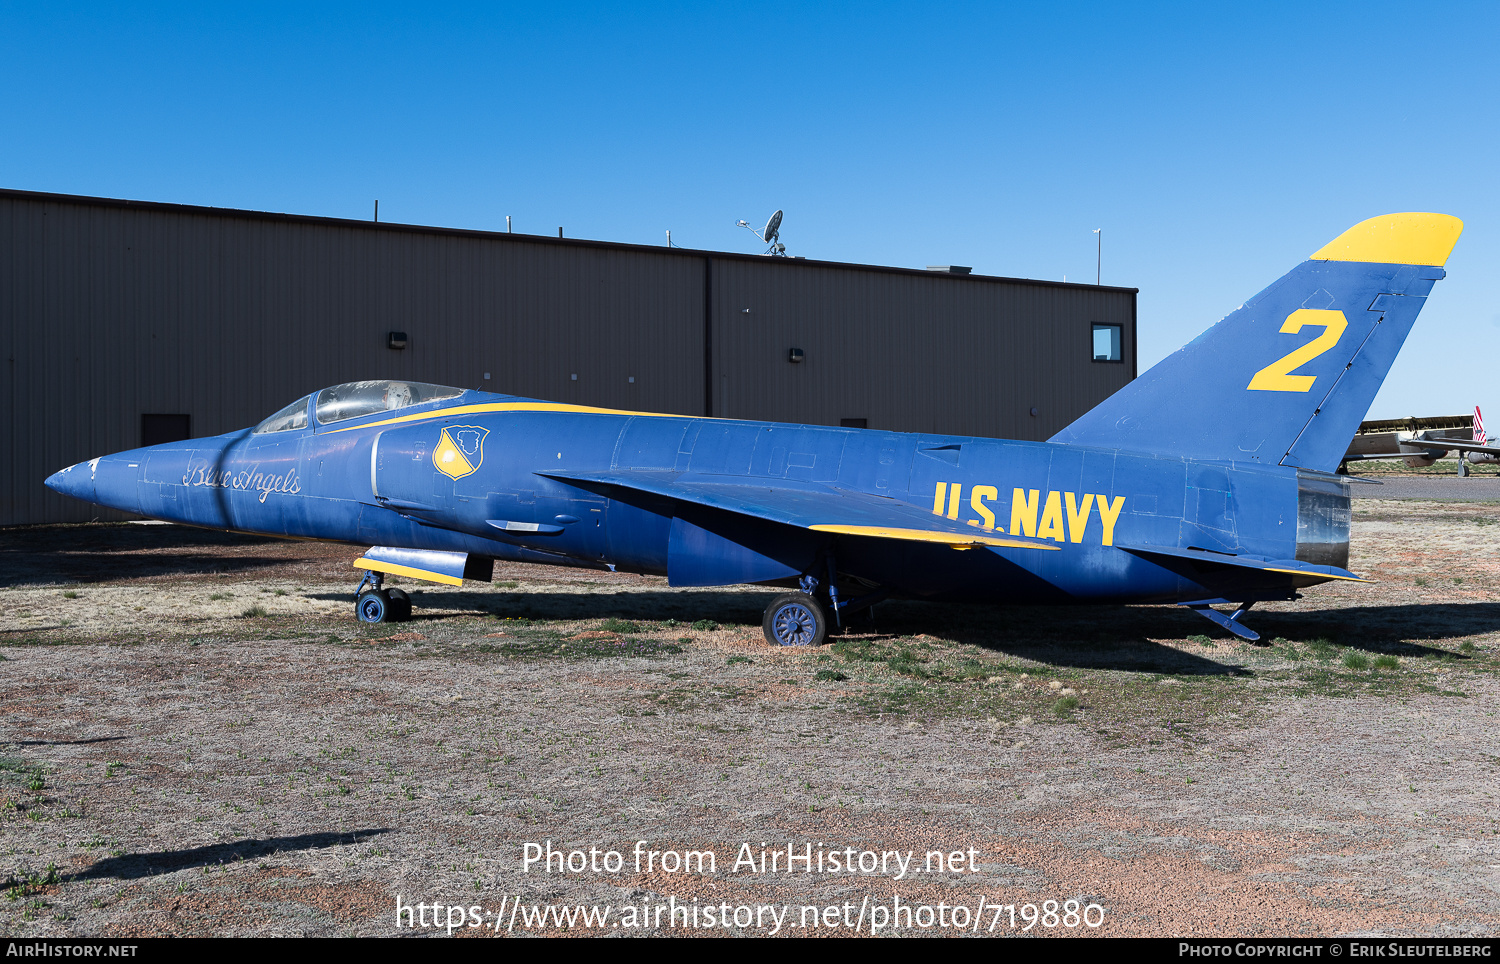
[{"x": 492, "y": 407}]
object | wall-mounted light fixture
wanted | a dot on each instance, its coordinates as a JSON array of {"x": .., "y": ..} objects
[
  {"x": 794, "y": 356},
  {"x": 396, "y": 340}
]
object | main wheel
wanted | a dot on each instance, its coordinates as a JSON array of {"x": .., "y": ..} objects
[
  {"x": 400, "y": 605},
  {"x": 373, "y": 606},
  {"x": 795, "y": 619}
]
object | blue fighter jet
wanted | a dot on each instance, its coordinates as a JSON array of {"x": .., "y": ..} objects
[{"x": 1208, "y": 481}]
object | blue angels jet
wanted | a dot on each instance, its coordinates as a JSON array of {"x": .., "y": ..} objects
[{"x": 1208, "y": 481}]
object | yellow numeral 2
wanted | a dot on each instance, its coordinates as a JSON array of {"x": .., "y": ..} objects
[{"x": 1277, "y": 377}]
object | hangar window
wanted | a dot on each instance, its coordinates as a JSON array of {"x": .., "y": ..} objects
[
  {"x": 354, "y": 399},
  {"x": 293, "y": 417},
  {"x": 1107, "y": 340}
]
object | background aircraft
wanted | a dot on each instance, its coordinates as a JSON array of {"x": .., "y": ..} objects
[
  {"x": 1210, "y": 480},
  {"x": 1422, "y": 441}
]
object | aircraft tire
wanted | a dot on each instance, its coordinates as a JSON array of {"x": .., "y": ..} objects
[
  {"x": 373, "y": 607},
  {"x": 795, "y": 619},
  {"x": 400, "y": 605}
]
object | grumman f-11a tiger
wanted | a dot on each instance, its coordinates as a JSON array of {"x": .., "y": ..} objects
[{"x": 1210, "y": 481}]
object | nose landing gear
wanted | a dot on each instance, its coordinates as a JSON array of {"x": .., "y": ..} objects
[{"x": 376, "y": 605}]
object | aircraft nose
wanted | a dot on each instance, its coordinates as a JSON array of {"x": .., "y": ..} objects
[
  {"x": 76, "y": 481},
  {"x": 111, "y": 480}
]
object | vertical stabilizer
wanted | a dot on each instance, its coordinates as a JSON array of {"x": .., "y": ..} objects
[{"x": 1286, "y": 378}]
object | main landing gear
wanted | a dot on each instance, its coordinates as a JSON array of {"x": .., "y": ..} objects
[
  {"x": 376, "y": 605},
  {"x": 801, "y": 618},
  {"x": 795, "y": 619}
]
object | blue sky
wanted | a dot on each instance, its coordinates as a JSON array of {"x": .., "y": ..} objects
[{"x": 1217, "y": 145}]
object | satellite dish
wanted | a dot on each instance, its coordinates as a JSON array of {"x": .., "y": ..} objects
[
  {"x": 773, "y": 229},
  {"x": 771, "y": 235}
]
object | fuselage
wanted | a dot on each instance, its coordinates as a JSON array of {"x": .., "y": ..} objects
[{"x": 473, "y": 474}]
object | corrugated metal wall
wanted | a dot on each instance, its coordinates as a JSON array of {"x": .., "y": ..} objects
[
  {"x": 912, "y": 352},
  {"x": 111, "y": 310}
]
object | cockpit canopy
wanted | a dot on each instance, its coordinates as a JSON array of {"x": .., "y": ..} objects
[
  {"x": 294, "y": 416},
  {"x": 356, "y": 399}
]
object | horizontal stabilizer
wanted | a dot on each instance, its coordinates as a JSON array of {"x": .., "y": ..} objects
[
  {"x": 1291, "y": 566},
  {"x": 450, "y": 568},
  {"x": 807, "y": 505}
]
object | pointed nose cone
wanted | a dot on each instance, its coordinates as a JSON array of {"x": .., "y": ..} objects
[
  {"x": 111, "y": 480},
  {"x": 76, "y": 481}
]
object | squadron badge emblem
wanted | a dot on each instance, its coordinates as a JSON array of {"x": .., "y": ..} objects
[{"x": 460, "y": 452}]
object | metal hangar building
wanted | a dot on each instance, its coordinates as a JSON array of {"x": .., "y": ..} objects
[{"x": 126, "y": 323}]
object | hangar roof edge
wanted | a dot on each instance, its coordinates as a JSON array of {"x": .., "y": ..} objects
[{"x": 312, "y": 219}]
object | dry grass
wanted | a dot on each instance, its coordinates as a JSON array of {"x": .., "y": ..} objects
[{"x": 186, "y": 768}]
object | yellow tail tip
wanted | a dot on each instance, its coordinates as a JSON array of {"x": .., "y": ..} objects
[{"x": 1411, "y": 238}]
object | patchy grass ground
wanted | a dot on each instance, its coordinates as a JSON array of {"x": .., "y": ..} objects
[{"x": 198, "y": 738}]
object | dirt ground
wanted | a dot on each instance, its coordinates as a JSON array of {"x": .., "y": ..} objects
[{"x": 197, "y": 738}]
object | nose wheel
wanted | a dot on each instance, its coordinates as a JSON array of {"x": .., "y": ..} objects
[{"x": 374, "y": 604}]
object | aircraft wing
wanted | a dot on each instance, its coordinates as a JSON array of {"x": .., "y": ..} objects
[
  {"x": 1419, "y": 446},
  {"x": 1462, "y": 445},
  {"x": 807, "y": 505}
]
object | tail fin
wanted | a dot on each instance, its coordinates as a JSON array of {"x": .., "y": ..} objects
[
  {"x": 1479, "y": 435},
  {"x": 1287, "y": 377}
]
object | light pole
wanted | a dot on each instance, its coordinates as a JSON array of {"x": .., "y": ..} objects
[{"x": 1098, "y": 254}]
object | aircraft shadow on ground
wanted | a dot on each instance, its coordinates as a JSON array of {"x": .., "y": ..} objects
[
  {"x": 42, "y": 555},
  {"x": 1076, "y": 637},
  {"x": 135, "y": 866},
  {"x": 122, "y": 537},
  {"x": 1099, "y": 637},
  {"x": 25, "y": 569},
  {"x": 1398, "y": 630},
  {"x": 1083, "y": 637},
  {"x": 1118, "y": 637},
  {"x": 686, "y": 606}
]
